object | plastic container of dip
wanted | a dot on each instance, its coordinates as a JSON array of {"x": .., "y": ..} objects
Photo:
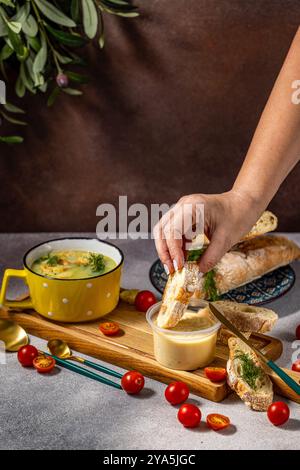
[{"x": 184, "y": 350}]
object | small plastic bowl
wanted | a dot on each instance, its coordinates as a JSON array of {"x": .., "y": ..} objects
[{"x": 183, "y": 350}]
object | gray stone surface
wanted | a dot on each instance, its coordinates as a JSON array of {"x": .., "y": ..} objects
[{"x": 67, "y": 411}]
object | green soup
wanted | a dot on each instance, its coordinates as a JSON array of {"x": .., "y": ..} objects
[{"x": 73, "y": 264}]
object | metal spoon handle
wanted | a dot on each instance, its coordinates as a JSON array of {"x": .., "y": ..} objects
[
  {"x": 104, "y": 369},
  {"x": 82, "y": 371}
]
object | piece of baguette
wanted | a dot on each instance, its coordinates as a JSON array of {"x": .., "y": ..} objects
[
  {"x": 249, "y": 260},
  {"x": 246, "y": 318},
  {"x": 178, "y": 291},
  {"x": 258, "y": 398},
  {"x": 267, "y": 222}
]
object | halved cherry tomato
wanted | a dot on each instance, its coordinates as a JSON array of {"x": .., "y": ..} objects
[
  {"x": 216, "y": 421},
  {"x": 215, "y": 374},
  {"x": 43, "y": 363},
  {"x": 132, "y": 382},
  {"x": 296, "y": 366},
  {"x": 177, "y": 392},
  {"x": 109, "y": 328},
  {"x": 298, "y": 332},
  {"x": 144, "y": 300},
  {"x": 278, "y": 413},
  {"x": 189, "y": 415},
  {"x": 26, "y": 354}
]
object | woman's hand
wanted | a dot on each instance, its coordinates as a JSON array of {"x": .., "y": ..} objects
[{"x": 227, "y": 218}]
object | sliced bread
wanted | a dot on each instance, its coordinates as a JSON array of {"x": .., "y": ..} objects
[{"x": 246, "y": 376}]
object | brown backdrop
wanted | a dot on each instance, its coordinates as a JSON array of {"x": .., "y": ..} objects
[{"x": 171, "y": 107}]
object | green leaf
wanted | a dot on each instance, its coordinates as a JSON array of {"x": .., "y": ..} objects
[
  {"x": 13, "y": 120},
  {"x": 11, "y": 108},
  {"x": 119, "y": 6},
  {"x": 41, "y": 57},
  {"x": 22, "y": 13},
  {"x": 14, "y": 26},
  {"x": 72, "y": 91},
  {"x": 54, "y": 14},
  {"x": 90, "y": 18},
  {"x": 26, "y": 78},
  {"x": 30, "y": 27},
  {"x": 34, "y": 43},
  {"x": 63, "y": 59},
  {"x": 101, "y": 40},
  {"x": 20, "y": 87},
  {"x": 129, "y": 14},
  {"x": 3, "y": 27},
  {"x": 8, "y": 3},
  {"x": 53, "y": 95},
  {"x": 12, "y": 139},
  {"x": 44, "y": 87},
  {"x": 77, "y": 77},
  {"x": 6, "y": 52},
  {"x": 75, "y": 10},
  {"x": 73, "y": 40}
]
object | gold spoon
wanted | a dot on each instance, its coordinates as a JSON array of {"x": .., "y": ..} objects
[
  {"x": 13, "y": 335},
  {"x": 60, "y": 348}
]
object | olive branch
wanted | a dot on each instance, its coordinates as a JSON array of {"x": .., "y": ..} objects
[{"x": 39, "y": 40}]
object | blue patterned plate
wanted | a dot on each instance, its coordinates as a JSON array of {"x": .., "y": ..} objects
[{"x": 263, "y": 290}]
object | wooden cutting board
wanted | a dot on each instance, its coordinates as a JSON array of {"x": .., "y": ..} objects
[{"x": 133, "y": 348}]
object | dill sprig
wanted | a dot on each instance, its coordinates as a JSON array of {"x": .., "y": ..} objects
[
  {"x": 52, "y": 260},
  {"x": 96, "y": 261},
  {"x": 210, "y": 286},
  {"x": 195, "y": 255},
  {"x": 250, "y": 371}
]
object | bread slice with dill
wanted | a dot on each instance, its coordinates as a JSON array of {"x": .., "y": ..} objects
[{"x": 246, "y": 376}]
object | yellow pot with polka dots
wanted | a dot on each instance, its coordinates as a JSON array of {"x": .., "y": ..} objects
[{"x": 68, "y": 300}]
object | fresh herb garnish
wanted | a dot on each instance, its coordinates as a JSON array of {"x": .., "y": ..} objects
[
  {"x": 96, "y": 262},
  {"x": 194, "y": 255},
  {"x": 210, "y": 286},
  {"x": 52, "y": 260},
  {"x": 250, "y": 371}
]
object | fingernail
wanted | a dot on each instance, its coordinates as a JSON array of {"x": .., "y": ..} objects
[
  {"x": 166, "y": 269},
  {"x": 175, "y": 265}
]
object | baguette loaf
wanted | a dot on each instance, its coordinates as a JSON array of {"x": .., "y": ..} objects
[
  {"x": 247, "y": 377},
  {"x": 249, "y": 260}
]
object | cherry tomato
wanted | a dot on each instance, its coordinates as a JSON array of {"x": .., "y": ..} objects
[
  {"x": 177, "y": 392},
  {"x": 26, "y": 354},
  {"x": 215, "y": 374},
  {"x": 278, "y": 413},
  {"x": 109, "y": 328},
  {"x": 144, "y": 300},
  {"x": 296, "y": 366},
  {"x": 43, "y": 363},
  {"x": 132, "y": 382},
  {"x": 189, "y": 415},
  {"x": 298, "y": 332},
  {"x": 217, "y": 422}
]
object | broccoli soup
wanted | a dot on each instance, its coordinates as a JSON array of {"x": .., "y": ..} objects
[{"x": 73, "y": 264}]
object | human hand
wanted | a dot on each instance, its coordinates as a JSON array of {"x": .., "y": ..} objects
[{"x": 227, "y": 218}]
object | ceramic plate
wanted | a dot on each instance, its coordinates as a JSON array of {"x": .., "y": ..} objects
[{"x": 263, "y": 290}]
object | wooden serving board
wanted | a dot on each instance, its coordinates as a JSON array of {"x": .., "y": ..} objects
[{"x": 133, "y": 348}]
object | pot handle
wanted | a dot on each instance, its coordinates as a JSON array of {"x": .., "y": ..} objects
[{"x": 20, "y": 273}]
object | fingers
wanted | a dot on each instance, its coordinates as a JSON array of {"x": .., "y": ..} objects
[
  {"x": 162, "y": 249},
  {"x": 219, "y": 245}
]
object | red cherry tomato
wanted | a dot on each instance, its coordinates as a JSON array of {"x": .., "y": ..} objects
[
  {"x": 177, "y": 392},
  {"x": 144, "y": 300},
  {"x": 132, "y": 382},
  {"x": 278, "y": 413},
  {"x": 298, "y": 332},
  {"x": 189, "y": 415},
  {"x": 217, "y": 422},
  {"x": 43, "y": 363},
  {"x": 215, "y": 374},
  {"x": 26, "y": 354},
  {"x": 109, "y": 328},
  {"x": 296, "y": 366}
]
